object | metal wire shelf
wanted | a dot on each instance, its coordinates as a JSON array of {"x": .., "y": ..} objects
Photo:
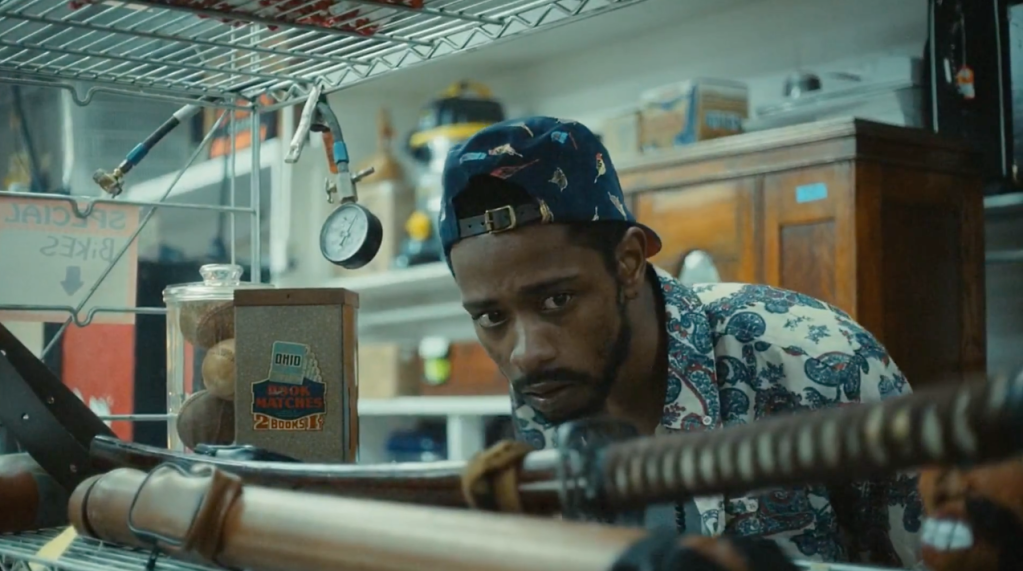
[
  {"x": 268, "y": 52},
  {"x": 16, "y": 550}
]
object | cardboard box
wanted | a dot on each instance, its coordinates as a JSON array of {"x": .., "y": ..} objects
[
  {"x": 473, "y": 373},
  {"x": 621, "y": 135},
  {"x": 387, "y": 371},
  {"x": 297, "y": 390},
  {"x": 691, "y": 111}
]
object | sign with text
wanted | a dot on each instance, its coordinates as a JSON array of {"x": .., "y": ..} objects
[
  {"x": 50, "y": 256},
  {"x": 292, "y": 397}
]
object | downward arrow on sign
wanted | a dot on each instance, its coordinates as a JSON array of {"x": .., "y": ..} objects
[{"x": 72, "y": 280}]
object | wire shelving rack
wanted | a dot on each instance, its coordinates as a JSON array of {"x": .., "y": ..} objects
[
  {"x": 17, "y": 551},
  {"x": 21, "y": 552},
  {"x": 260, "y": 55},
  {"x": 264, "y": 53},
  {"x": 255, "y": 54}
]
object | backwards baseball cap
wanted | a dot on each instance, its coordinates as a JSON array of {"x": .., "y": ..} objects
[{"x": 561, "y": 166}]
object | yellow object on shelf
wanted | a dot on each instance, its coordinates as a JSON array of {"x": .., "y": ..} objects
[
  {"x": 54, "y": 549},
  {"x": 385, "y": 164},
  {"x": 419, "y": 226}
]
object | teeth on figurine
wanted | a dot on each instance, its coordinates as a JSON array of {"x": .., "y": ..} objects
[{"x": 946, "y": 535}]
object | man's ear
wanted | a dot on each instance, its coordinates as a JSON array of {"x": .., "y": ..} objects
[{"x": 631, "y": 254}]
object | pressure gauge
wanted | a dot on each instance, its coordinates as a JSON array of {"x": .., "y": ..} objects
[{"x": 351, "y": 236}]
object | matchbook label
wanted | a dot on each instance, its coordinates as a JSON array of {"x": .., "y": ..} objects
[{"x": 292, "y": 397}]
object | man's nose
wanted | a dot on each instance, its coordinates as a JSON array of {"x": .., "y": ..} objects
[
  {"x": 533, "y": 346},
  {"x": 949, "y": 485}
]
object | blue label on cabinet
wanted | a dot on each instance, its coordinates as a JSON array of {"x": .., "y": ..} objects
[{"x": 811, "y": 192}]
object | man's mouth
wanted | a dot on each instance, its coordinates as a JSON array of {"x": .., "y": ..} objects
[
  {"x": 543, "y": 390},
  {"x": 548, "y": 397},
  {"x": 946, "y": 534}
]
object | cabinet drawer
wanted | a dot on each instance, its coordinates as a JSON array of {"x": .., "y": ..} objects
[
  {"x": 717, "y": 218},
  {"x": 809, "y": 244}
]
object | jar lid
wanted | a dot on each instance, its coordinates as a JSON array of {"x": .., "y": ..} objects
[{"x": 218, "y": 284}]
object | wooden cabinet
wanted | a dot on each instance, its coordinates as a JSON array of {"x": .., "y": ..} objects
[
  {"x": 717, "y": 218},
  {"x": 884, "y": 222},
  {"x": 803, "y": 222}
]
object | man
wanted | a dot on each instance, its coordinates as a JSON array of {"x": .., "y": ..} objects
[
  {"x": 552, "y": 268},
  {"x": 974, "y": 518}
]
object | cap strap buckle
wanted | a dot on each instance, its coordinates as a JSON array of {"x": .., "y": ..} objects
[{"x": 501, "y": 219}]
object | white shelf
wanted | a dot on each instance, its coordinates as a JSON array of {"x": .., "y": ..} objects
[
  {"x": 1008, "y": 201},
  {"x": 436, "y": 406},
  {"x": 203, "y": 175},
  {"x": 403, "y": 306},
  {"x": 429, "y": 283}
]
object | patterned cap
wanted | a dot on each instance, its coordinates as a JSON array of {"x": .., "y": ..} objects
[{"x": 560, "y": 163}]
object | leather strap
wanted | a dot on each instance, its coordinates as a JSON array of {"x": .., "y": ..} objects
[
  {"x": 491, "y": 478},
  {"x": 49, "y": 422},
  {"x": 241, "y": 453},
  {"x": 182, "y": 510},
  {"x": 499, "y": 220},
  {"x": 38, "y": 429}
]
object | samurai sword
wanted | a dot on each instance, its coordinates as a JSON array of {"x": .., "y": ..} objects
[
  {"x": 961, "y": 425},
  {"x": 590, "y": 476},
  {"x": 590, "y": 472}
]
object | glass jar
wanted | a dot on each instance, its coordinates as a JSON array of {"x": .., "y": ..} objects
[{"x": 200, "y": 328}]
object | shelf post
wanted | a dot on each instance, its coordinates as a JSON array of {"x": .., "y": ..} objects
[{"x": 465, "y": 436}]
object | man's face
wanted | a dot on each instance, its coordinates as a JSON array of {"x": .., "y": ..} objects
[
  {"x": 974, "y": 518},
  {"x": 549, "y": 313}
]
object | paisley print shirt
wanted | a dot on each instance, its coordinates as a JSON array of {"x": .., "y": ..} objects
[{"x": 741, "y": 352}]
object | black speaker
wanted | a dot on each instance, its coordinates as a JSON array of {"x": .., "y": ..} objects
[{"x": 969, "y": 73}]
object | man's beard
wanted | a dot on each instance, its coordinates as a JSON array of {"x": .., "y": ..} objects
[
  {"x": 616, "y": 352},
  {"x": 1000, "y": 527}
]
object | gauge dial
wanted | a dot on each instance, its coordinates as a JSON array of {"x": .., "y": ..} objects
[{"x": 344, "y": 233}]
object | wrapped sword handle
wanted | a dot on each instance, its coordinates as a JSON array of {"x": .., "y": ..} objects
[
  {"x": 578, "y": 469},
  {"x": 963, "y": 424}
]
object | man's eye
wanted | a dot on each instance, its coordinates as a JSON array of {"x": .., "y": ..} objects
[
  {"x": 556, "y": 302},
  {"x": 489, "y": 319}
]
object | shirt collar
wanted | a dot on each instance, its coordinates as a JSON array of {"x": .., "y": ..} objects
[{"x": 691, "y": 401}]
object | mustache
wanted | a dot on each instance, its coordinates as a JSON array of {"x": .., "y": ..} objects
[
  {"x": 997, "y": 524},
  {"x": 567, "y": 376}
]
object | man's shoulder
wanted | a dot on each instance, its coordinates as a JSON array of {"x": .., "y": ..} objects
[
  {"x": 790, "y": 321},
  {"x": 729, "y": 297},
  {"x": 775, "y": 325},
  {"x": 794, "y": 322}
]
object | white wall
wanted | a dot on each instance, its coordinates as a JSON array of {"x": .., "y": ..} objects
[
  {"x": 617, "y": 56},
  {"x": 760, "y": 42},
  {"x": 30, "y": 334}
]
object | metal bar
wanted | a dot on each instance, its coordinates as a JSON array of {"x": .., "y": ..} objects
[
  {"x": 173, "y": 51},
  {"x": 90, "y": 316},
  {"x": 110, "y": 29},
  {"x": 181, "y": 95},
  {"x": 1004, "y": 257},
  {"x": 87, "y": 554},
  {"x": 251, "y": 18},
  {"x": 145, "y": 220},
  {"x": 439, "y": 12},
  {"x": 138, "y": 417},
  {"x": 232, "y": 187},
  {"x": 999, "y": 201},
  {"x": 132, "y": 59},
  {"x": 256, "y": 231},
  {"x": 91, "y": 202}
]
